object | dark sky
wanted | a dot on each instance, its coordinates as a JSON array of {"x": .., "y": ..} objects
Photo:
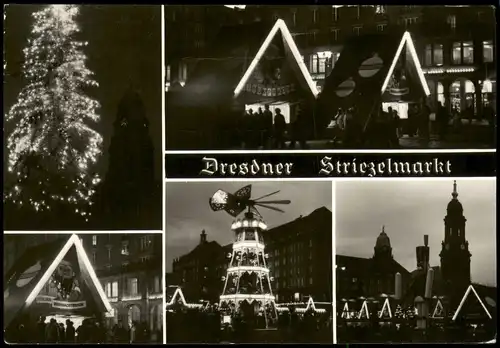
[
  {"x": 410, "y": 209},
  {"x": 188, "y": 211},
  {"x": 124, "y": 49}
]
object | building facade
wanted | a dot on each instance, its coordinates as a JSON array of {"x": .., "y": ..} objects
[
  {"x": 299, "y": 260},
  {"x": 369, "y": 277},
  {"x": 129, "y": 267},
  {"x": 456, "y": 45}
]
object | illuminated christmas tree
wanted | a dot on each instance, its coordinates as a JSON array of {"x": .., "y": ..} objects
[{"x": 53, "y": 147}]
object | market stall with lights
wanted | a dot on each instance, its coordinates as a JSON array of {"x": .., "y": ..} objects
[
  {"x": 246, "y": 67},
  {"x": 54, "y": 280},
  {"x": 374, "y": 70}
]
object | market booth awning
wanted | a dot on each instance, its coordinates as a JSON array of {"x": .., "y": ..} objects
[
  {"x": 372, "y": 69},
  {"x": 254, "y": 63},
  {"x": 54, "y": 279}
]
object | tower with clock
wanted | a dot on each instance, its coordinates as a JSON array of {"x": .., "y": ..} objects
[{"x": 455, "y": 255}]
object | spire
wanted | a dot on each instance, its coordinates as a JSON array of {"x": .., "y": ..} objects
[
  {"x": 454, "y": 193},
  {"x": 383, "y": 228},
  {"x": 203, "y": 237}
]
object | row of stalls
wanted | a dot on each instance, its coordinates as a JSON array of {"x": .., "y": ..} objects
[
  {"x": 474, "y": 317},
  {"x": 54, "y": 281},
  {"x": 251, "y": 67}
]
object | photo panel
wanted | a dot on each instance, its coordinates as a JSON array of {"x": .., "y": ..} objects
[
  {"x": 416, "y": 261},
  {"x": 249, "y": 262},
  {"x": 97, "y": 287},
  {"x": 83, "y": 117},
  {"x": 266, "y": 77}
]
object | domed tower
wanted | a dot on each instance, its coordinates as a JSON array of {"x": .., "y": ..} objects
[
  {"x": 247, "y": 285},
  {"x": 383, "y": 249},
  {"x": 455, "y": 255}
]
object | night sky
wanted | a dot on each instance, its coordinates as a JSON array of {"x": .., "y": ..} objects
[
  {"x": 188, "y": 211},
  {"x": 410, "y": 209},
  {"x": 124, "y": 49}
]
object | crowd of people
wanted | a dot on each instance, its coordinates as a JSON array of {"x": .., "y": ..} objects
[
  {"x": 90, "y": 331},
  {"x": 264, "y": 129},
  {"x": 206, "y": 326}
]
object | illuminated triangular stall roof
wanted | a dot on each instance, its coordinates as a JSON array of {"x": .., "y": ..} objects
[
  {"x": 471, "y": 291},
  {"x": 178, "y": 296},
  {"x": 229, "y": 64},
  {"x": 371, "y": 69},
  {"x": 31, "y": 273}
]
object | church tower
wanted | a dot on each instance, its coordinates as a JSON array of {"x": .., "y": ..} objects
[{"x": 455, "y": 255}]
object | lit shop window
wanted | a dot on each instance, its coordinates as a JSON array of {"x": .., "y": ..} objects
[
  {"x": 440, "y": 93},
  {"x": 319, "y": 61},
  {"x": 488, "y": 51}
]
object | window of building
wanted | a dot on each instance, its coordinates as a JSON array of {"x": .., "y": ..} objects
[
  {"x": 457, "y": 53},
  {"x": 107, "y": 289},
  {"x": 146, "y": 242},
  {"x": 94, "y": 240},
  {"x": 125, "y": 249},
  {"x": 438, "y": 54},
  {"x": 358, "y": 12},
  {"x": 381, "y": 27},
  {"x": 157, "y": 285},
  {"x": 468, "y": 52},
  {"x": 336, "y": 33},
  {"x": 114, "y": 289},
  {"x": 428, "y": 55},
  {"x": 167, "y": 73},
  {"x": 310, "y": 281},
  {"x": 433, "y": 55},
  {"x": 315, "y": 15},
  {"x": 109, "y": 254},
  {"x": 488, "y": 51},
  {"x": 294, "y": 16},
  {"x": 463, "y": 52},
  {"x": 335, "y": 13},
  {"x": 357, "y": 30},
  {"x": 182, "y": 72},
  {"x": 145, "y": 258},
  {"x": 380, "y": 9},
  {"x": 133, "y": 287},
  {"x": 94, "y": 257},
  {"x": 410, "y": 21},
  {"x": 452, "y": 21}
]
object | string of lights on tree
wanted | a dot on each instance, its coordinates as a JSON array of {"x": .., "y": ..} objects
[
  {"x": 4, "y": 17},
  {"x": 52, "y": 148}
]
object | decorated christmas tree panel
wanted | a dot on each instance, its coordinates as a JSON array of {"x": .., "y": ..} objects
[{"x": 63, "y": 80}]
